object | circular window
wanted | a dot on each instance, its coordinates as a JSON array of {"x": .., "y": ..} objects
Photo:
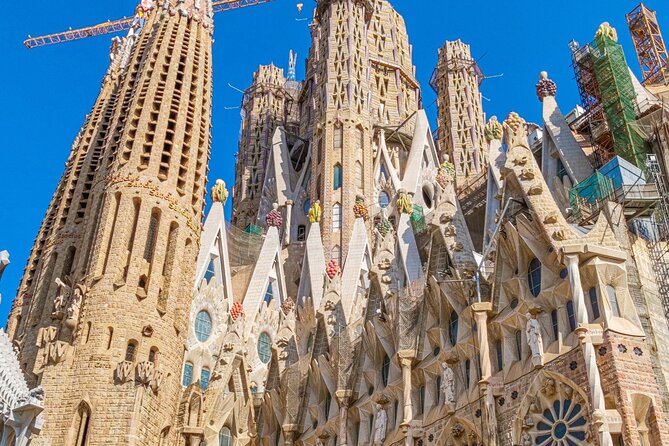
[
  {"x": 427, "y": 196},
  {"x": 384, "y": 200},
  {"x": 564, "y": 273},
  {"x": 436, "y": 351},
  {"x": 202, "y": 326},
  {"x": 264, "y": 348},
  {"x": 514, "y": 303},
  {"x": 307, "y": 206}
]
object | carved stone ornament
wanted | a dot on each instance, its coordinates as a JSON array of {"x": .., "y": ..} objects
[
  {"x": 458, "y": 430},
  {"x": 123, "y": 372},
  {"x": 527, "y": 174},
  {"x": 493, "y": 130}
]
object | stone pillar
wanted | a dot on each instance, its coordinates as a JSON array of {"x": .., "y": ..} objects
[
  {"x": 596, "y": 392},
  {"x": 287, "y": 227},
  {"x": 406, "y": 361},
  {"x": 481, "y": 310},
  {"x": 343, "y": 398}
]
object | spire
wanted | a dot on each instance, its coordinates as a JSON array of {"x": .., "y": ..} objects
[{"x": 292, "y": 63}]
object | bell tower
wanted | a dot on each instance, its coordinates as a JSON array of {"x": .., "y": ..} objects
[{"x": 102, "y": 309}]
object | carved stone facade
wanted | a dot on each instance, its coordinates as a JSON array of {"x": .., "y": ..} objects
[{"x": 363, "y": 314}]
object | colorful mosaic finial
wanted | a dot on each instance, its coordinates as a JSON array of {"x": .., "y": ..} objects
[
  {"x": 274, "y": 217},
  {"x": 545, "y": 86},
  {"x": 493, "y": 130},
  {"x": 359, "y": 208},
  {"x": 315, "y": 212},
  {"x": 404, "y": 204},
  {"x": 219, "y": 193},
  {"x": 236, "y": 311},
  {"x": 606, "y": 31},
  {"x": 332, "y": 269}
]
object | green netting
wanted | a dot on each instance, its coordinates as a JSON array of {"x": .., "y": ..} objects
[
  {"x": 618, "y": 99},
  {"x": 586, "y": 194},
  {"x": 253, "y": 229},
  {"x": 418, "y": 219}
]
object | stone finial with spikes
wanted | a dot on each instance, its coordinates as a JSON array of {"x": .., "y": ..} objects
[
  {"x": 219, "y": 193},
  {"x": 545, "y": 86},
  {"x": 274, "y": 217},
  {"x": 605, "y": 30}
]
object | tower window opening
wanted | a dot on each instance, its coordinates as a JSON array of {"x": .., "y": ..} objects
[{"x": 131, "y": 351}]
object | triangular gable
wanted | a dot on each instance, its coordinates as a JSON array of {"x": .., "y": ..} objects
[
  {"x": 277, "y": 187},
  {"x": 558, "y": 137},
  {"x": 214, "y": 247},
  {"x": 268, "y": 269},
  {"x": 358, "y": 261},
  {"x": 422, "y": 148},
  {"x": 408, "y": 250},
  {"x": 313, "y": 268}
]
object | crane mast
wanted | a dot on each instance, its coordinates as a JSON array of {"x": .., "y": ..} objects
[{"x": 121, "y": 25}]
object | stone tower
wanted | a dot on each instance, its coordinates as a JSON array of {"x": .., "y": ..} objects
[
  {"x": 461, "y": 118},
  {"x": 103, "y": 305},
  {"x": 267, "y": 104},
  {"x": 359, "y": 78}
]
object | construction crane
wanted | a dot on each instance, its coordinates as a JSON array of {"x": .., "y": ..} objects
[{"x": 120, "y": 25}]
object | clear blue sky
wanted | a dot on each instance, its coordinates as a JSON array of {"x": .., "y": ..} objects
[{"x": 47, "y": 92}]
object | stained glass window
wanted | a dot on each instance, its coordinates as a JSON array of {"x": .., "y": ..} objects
[
  {"x": 202, "y": 326},
  {"x": 264, "y": 348}
]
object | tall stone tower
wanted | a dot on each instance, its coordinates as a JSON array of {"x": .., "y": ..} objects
[
  {"x": 359, "y": 78},
  {"x": 460, "y": 118},
  {"x": 103, "y": 305},
  {"x": 267, "y": 104}
]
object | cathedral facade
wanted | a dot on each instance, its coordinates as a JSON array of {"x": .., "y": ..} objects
[{"x": 347, "y": 303}]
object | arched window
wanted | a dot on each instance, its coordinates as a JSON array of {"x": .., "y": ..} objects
[
  {"x": 571, "y": 316},
  {"x": 468, "y": 368},
  {"x": 187, "y": 379},
  {"x": 269, "y": 292},
  {"x": 534, "y": 277},
  {"x": 204, "y": 378},
  {"x": 385, "y": 370},
  {"x": 153, "y": 355},
  {"x": 202, "y": 326},
  {"x": 613, "y": 300},
  {"x": 110, "y": 336},
  {"x": 554, "y": 324},
  {"x": 336, "y": 254},
  {"x": 264, "y": 348},
  {"x": 336, "y": 217},
  {"x": 453, "y": 327},
  {"x": 307, "y": 206},
  {"x": 131, "y": 351},
  {"x": 384, "y": 200},
  {"x": 337, "y": 177},
  {"x": 594, "y": 303},
  {"x": 83, "y": 423},
  {"x": 328, "y": 403},
  {"x": 519, "y": 344},
  {"x": 359, "y": 176},
  {"x": 421, "y": 400},
  {"x": 224, "y": 437},
  {"x": 499, "y": 351},
  {"x": 437, "y": 391}
]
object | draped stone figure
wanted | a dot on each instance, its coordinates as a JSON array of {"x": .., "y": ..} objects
[
  {"x": 448, "y": 383},
  {"x": 534, "y": 340},
  {"x": 380, "y": 425}
]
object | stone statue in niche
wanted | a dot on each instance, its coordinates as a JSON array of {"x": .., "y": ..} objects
[
  {"x": 534, "y": 340},
  {"x": 380, "y": 424},
  {"x": 67, "y": 302},
  {"x": 448, "y": 383}
]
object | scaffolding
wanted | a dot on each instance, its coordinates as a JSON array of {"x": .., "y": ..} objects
[
  {"x": 617, "y": 95},
  {"x": 244, "y": 246},
  {"x": 649, "y": 45}
]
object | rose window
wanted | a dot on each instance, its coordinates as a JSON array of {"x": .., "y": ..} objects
[{"x": 555, "y": 417}]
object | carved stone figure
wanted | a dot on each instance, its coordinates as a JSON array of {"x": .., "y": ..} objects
[
  {"x": 448, "y": 383},
  {"x": 380, "y": 424},
  {"x": 534, "y": 340},
  {"x": 526, "y": 439},
  {"x": 62, "y": 296}
]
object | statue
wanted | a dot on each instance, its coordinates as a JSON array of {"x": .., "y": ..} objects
[
  {"x": 448, "y": 383},
  {"x": 380, "y": 424},
  {"x": 62, "y": 297},
  {"x": 533, "y": 332}
]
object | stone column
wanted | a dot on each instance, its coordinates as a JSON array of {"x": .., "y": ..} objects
[
  {"x": 481, "y": 310},
  {"x": 596, "y": 392},
  {"x": 287, "y": 226},
  {"x": 406, "y": 361},
  {"x": 343, "y": 398}
]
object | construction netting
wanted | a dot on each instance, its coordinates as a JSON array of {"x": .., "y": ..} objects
[
  {"x": 585, "y": 196},
  {"x": 294, "y": 386},
  {"x": 346, "y": 347},
  {"x": 244, "y": 245},
  {"x": 411, "y": 300},
  {"x": 418, "y": 219},
  {"x": 618, "y": 96}
]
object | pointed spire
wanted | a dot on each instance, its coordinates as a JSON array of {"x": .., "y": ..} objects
[{"x": 292, "y": 64}]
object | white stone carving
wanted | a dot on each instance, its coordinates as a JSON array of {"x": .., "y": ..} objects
[
  {"x": 448, "y": 383},
  {"x": 380, "y": 424},
  {"x": 534, "y": 339}
]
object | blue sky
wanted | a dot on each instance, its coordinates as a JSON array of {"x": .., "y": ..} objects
[{"x": 47, "y": 92}]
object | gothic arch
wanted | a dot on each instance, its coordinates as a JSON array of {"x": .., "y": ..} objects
[
  {"x": 554, "y": 411},
  {"x": 459, "y": 432}
]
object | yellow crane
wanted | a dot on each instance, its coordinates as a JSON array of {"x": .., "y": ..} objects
[{"x": 120, "y": 25}]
